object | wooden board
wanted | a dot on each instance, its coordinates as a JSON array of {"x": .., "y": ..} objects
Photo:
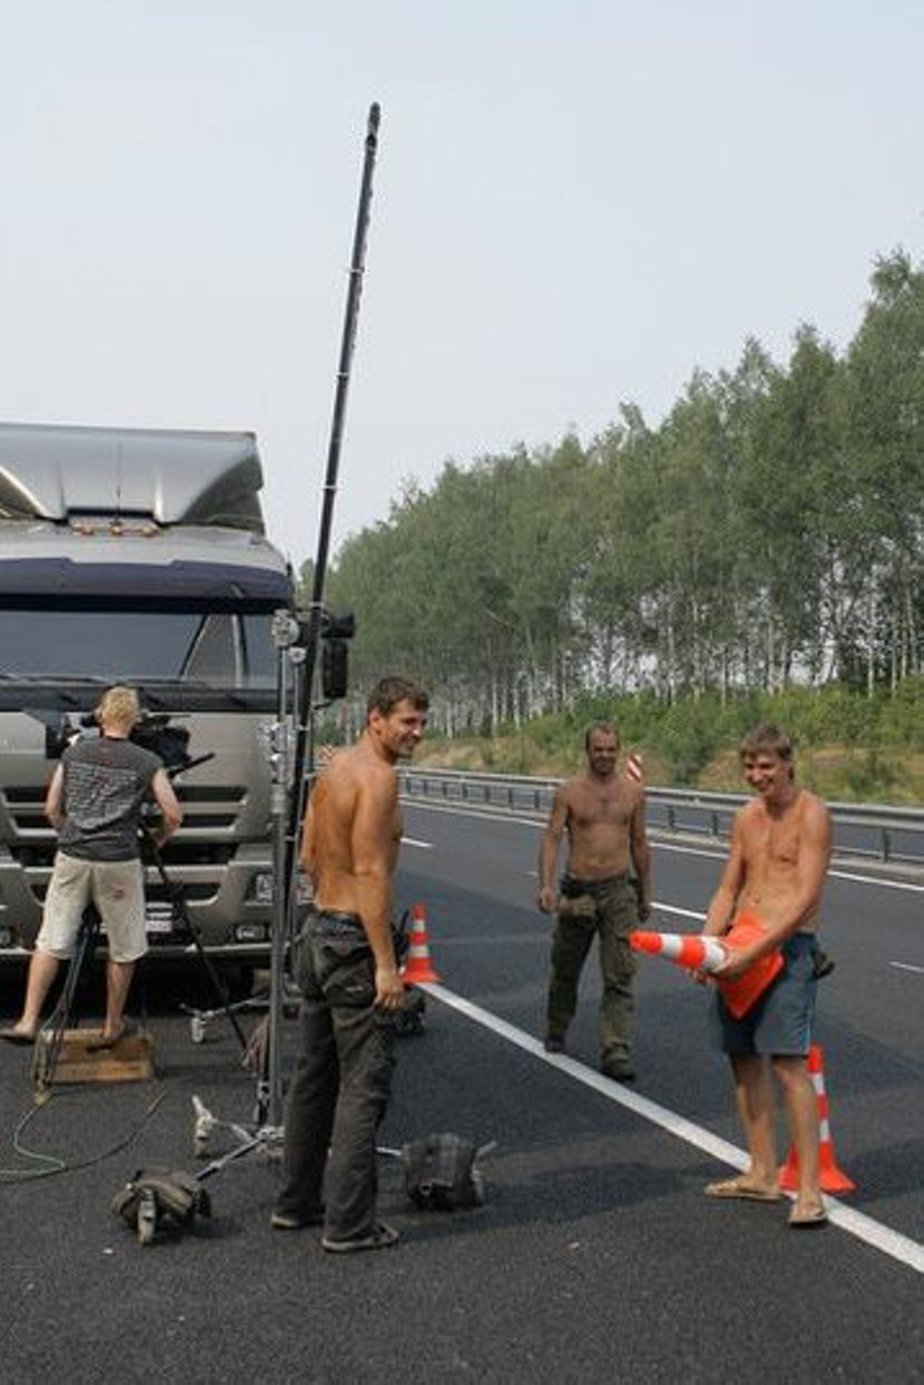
[{"x": 131, "y": 1060}]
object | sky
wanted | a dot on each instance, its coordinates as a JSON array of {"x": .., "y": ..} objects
[{"x": 577, "y": 204}]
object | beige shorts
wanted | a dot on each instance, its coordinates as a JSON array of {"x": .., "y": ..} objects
[{"x": 116, "y": 888}]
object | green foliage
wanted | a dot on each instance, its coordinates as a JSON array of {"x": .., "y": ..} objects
[
  {"x": 849, "y": 747},
  {"x": 901, "y": 721},
  {"x": 766, "y": 539}
]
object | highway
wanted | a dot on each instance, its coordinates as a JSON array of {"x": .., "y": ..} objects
[{"x": 596, "y": 1256}]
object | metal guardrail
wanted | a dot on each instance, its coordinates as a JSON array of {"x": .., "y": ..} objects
[{"x": 878, "y": 832}]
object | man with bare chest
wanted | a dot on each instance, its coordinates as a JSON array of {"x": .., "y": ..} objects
[
  {"x": 348, "y": 975},
  {"x": 778, "y": 859},
  {"x": 603, "y": 815}
]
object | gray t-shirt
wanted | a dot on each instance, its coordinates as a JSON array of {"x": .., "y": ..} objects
[{"x": 106, "y": 780}]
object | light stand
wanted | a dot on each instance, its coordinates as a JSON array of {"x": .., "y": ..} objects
[
  {"x": 293, "y": 731},
  {"x": 282, "y": 741},
  {"x": 268, "y": 1113}
]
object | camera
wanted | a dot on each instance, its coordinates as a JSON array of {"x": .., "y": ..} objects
[{"x": 153, "y": 731}]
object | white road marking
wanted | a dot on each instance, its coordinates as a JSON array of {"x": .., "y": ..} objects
[
  {"x": 719, "y": 853},
  {"x": 906, "y": 966},
  {"x": 882, "y": 1238},
  {"x": 412, "y": 841},
  {"x": 673, "y": 909},
  {"x": 872, "y": 880}
]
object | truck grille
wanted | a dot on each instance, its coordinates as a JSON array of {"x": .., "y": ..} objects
[{"x": 207, "y": 809}]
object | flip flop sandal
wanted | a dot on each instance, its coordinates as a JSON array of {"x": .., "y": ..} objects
[
  {"x": 805, "y": 1222},
  {"x": 735, "y": 1189},
  {"x": 129, "y": 1028}
]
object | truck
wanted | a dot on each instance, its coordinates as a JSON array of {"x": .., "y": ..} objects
[{"x": 139, "y": 556}]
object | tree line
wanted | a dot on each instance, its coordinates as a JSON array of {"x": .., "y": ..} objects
[{"x": 767, "y": 534}]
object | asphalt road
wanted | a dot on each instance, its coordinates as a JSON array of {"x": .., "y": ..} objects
[{"x": 595, "y": 1257}]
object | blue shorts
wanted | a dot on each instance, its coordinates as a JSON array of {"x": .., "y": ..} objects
[{"x": 780, "y": 1024}]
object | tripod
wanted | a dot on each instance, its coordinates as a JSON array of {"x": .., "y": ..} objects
[
  {"x": 47, "y": 1055},
  {"x": 181, "y": 915}
]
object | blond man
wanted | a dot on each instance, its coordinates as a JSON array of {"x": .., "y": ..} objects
[{"x": 94, "y": 802}]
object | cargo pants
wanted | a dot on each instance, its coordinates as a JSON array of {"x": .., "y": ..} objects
[
  {"x": 342, "y": 1081},
  {"x": 614, "y": 915}
]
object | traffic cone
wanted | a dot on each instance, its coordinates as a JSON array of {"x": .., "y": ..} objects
[
  {"x": 418, "y": 966},
  {"x": 635, "y": 766},
  {"x": 831, "y": 1178},
  {"x": 685, "y": 949}
]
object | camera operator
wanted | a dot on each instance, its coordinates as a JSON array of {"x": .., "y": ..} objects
[{"x": 94, "y": 802}]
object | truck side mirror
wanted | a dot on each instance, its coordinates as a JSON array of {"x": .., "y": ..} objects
[{"x": 335, "y": 659}]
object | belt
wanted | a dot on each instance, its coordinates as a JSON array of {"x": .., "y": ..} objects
[
  {"x": 573, "y": 885},
  {"x": 336, "y": 923}
]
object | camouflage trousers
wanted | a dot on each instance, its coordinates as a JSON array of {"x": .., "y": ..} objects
[{"x": 607, "y": 909}]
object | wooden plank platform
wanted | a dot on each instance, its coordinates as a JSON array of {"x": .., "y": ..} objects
[{"x": 131, "y": 1060}]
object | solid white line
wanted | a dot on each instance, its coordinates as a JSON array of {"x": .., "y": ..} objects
[
  {"x": 717, "y": 854},
  {"x": 673, "y": 909},
  {"x": 833, "y": 872},
  {"x": 882, "y": 1238},
  {"x": 872, "y": 880},
  {"x": 906, "y": 966}
]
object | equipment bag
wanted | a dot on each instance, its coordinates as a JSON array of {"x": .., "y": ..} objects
[
  {"x": 440, "y": 1173},
  {"x": 161, "y": 1200}
]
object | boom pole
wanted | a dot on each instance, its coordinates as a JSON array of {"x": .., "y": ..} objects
[{"x": 304, "y": 749}]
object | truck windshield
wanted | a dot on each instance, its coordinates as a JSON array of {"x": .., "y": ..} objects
[{"x": 224, "y": 650}]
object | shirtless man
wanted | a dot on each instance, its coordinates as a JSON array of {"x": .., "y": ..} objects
[
  {"x": 349, "y": 979},
  {"x": 603, "y": 814},
  {"x": 780, "y": 848}
]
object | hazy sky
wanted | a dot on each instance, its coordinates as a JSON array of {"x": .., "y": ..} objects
[{"x": 577, "y": 202}]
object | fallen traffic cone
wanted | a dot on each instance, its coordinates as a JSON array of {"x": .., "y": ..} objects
[
  {"x": 831, "y": 1178},
  {"x": 418, "y": 966},
  {"x": 686, "y": 949}
]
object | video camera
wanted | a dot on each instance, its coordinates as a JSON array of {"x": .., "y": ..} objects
[{"x": 153, "y": 731}]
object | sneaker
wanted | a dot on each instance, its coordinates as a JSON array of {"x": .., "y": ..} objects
[
  {"x": 553, "y": 1044},
  {"x": 619, "y": 1069},
  {"x": 379, "y": 1238},
  {"x": 291, "y": 1221}
]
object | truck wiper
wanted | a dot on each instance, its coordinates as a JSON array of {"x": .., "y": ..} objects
[
  {"x": 53, "y": 680},
  {"x": 179, "y": 686}
]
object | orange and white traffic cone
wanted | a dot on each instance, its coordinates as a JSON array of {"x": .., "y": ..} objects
[
  {"x": 418, "y": 966},
  {"x": 635, "y": 766},
  {"x": 684, "y": 949},
  {"x": 831, "y": 1178}
]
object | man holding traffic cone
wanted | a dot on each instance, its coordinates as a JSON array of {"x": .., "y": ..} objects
[{"x": 780, "y": 848}]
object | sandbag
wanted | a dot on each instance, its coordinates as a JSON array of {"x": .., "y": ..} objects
[
  {"x": 161, "y": 1200},
  {"x": 440, "y": 1173}
]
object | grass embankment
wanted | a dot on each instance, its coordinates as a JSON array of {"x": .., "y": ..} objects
[{"x": 850, "y": 748}]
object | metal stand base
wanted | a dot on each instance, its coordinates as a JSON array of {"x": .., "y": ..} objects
[{"x": 267, "y": 1139}]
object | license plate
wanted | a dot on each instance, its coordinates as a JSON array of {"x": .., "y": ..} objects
[{"x": 159, "y": 918}]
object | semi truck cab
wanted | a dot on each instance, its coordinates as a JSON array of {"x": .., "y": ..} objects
[{"x": 139, "y": 556}]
